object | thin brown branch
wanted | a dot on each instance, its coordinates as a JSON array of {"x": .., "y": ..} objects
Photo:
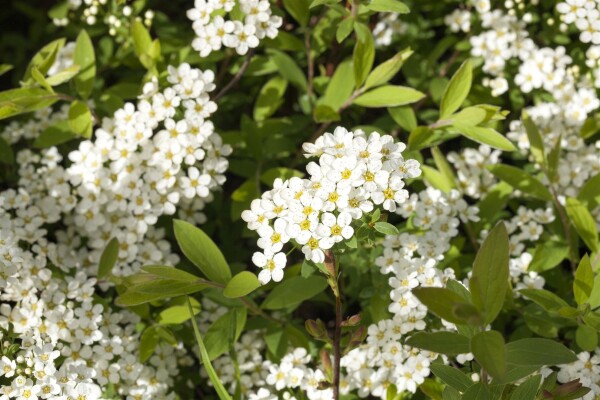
[
  {"x": 330, "y": 266},
  {"x": 237, "y": 76}
]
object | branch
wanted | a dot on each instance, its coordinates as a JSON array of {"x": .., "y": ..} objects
[
  {"x": 237, "y": 76},
  {"x": 337, "y": 336}
]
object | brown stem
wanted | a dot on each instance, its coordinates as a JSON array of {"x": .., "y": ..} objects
[
  {"x": 237, "y": 76},
  {"x": 331, "y": 268}
]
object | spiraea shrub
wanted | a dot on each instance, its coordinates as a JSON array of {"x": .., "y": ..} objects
[{"x": 300, "y": 199}]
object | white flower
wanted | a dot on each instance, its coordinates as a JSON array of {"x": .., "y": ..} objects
[{"x": 272, "y": 265}]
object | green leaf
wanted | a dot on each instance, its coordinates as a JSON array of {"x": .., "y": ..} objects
[
  {"x": 6, "y": 152},
  {"x": 388, "y": 96},
  {"x": 436, "y": 179},
  {"x": 148, "y": 343},
  {"x": 270, "y": 98},
  {"x": 344, "y": 29},
  {"x": 158, "y": 290},
  {"x": 489, "y": 281},
  {"x": 450, "y": 343},
  {"x": 298, "y": 9},
  {"x": 584, "y": 281},
  {"x": 589, "y": 128},
  {"x": 44, "y": 59},
  {"x": 171, "y": 273},
  {"x": 545, "y": 299},
  {"x": 289, "y": 69},
  {"x": 451, "y": 376},
  {"x": 63, "y": 76},
  {"x": 4, "y": 68},
  {"x": 202, "y": 251},
  {"x": 484, "y": 135},
  {"x": 393, "y": 6},
  {"x": 554, "y": 158},
  {"x": 457, "y": 90},
  {"x": 527, "y": 390},
  {"x": 444, "y": 167},
  {"x": 85, "y": 58},
  {"x": 178, "y": 312},
  {"x": 538, "y": 352},
  {"x": 363, "y": 57},
  {"x": 54, "y": 135},
  {"x": 212, "y": 375},
  {"x": 589, "y": 194},
  {"x": 441, "y": 301},
  {"x": 39, "y": 78},
  {"x": 521, "y": 180},
  {"x": 108, "y": 258},
  {"x": 586, "y": 338},
  {"x": 403, "y": 116},
  {"x": 316, "y": 3},
  {"x": 22, "y": 100},
  {"x": 385, "y": 71},
  {"x": 241, "y": 284},
  {"x": 141, "y": 38},
  {"x": 293, "y": 291},
  {"x": 536, "y": 142},
  {"x": 386, "y": 228},
  {"x": 340, "y": 86},
  {"x": 548, "y": 255},
  {"x": 80, "y": 119},
  {"x": 220, "y": 335},
  {"x": 451, "y": 394},
  {"x": 490, "y": 352},
  {"x": 584, "y": 223}
]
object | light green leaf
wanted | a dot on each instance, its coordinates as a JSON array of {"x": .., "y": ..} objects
[
  {"x": 590, "y": 127},
  {"x": 80, "y": 119},
  {"x": 457, "y": 90},
  {"x": 44, "y": 59},
  {"x": 344, "y": 29},
  {"x": 39, "y": 78},
  {"x": 63, "y": 76},
  {"x": 385, "y": 71},
  {"x": 386, "y": 228},
  {"x": 293, "y": 291},
  {"x": 450, "y": 393},
  {"x": 289, "y": 69},
  {"x": 270, "y": 98},
  {"x": 584, "y": 281},
  {"x": 527, "y": 390},
  {"x": 22, "y": 100},
  {"x": 178, "y": 312},
  {"x": 363, "y": 57},
  {"x": 538, "y": 352},
  {"x": 158, "y": 289},
  {"x": 450, "y": 343},
  {"x": 202, "y": 251},
  {"x": 490, "y": 352},
  {"x": 584, "y": 223},
  {"x": 393, "y": 6},
  {"x": 316, "y": 3},
  {"x": 4, "y": 68},
  {"x": 521, "y": 180},
  {"x": 241, "y": 284},
  {"x": 483, "y": 135},
  {"x": 489, "y": 281},
  {"x": 212, "y": 375},
  {"x": 108, "y": 258},
  {"x": 141, "y": 38},
  {"x": 403, "y": 116},
  {"x": 85, "y": 58},
  {"x": 388, "y": 96},
  {"x": 54, "y": 135},
  {"x": 436, "y": 179}
]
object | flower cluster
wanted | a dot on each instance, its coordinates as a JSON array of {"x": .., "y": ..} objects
[
  {"x": 355, "y": 173},
  {"x": 474, "y": 180},
  {"x": 146, "y": 161},
  {"x": 585, "y": 15},
  {"x": 213, "y": 30},
  {"x": 116, "y": 15}
]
